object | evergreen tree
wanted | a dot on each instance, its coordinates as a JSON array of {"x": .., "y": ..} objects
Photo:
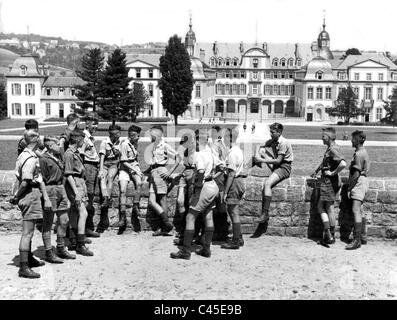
[
  {"x": 352, "y": 52},
  {"x": 90, "y": 72},
  {"x": 346, "y": 106},
  {"x": 116, "y": 96},
  {"x": 140, "y": 99},
  {"x": 391, "y": 108},
  {"x": 3, "y": 101},
  {"x": 176, "y": 83}
]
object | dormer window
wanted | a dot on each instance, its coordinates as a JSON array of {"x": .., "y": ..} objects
[
  {"x": 275, "y": 62},
  {"x": 212, "y": 62},
  {"x": 255, "y": 63},
  {"x": 235, "y": 62},
  {"x": 228, "y": 62},
  {"x": 341, "y": 75},
  {"x": 298, "y": 62},
  {"x": 283, "y": 62},
  {"x": 319, "y": 75},
  {"x": 24, "y": 70},
  {"x": 220, "y": 62},
  {"x": 290, "y": 62}
]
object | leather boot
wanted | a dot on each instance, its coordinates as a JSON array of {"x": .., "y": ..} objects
[
  {"x": 364, "y": 240},
  {"x": 356, "y": 243},
  {"x": 260, "y": 229},
  {"x": 204, "y": 252},
  {"x": 231, "y": 245},
  {"x": 104, "y": 223},
  {"x": 167, "y": 225},
  {"x": 122, "y": 222},
  {"x": 26, "y": 272},
  {"x": 134, "y": 218},
  {"x": 51, "y": 257},
  {"x": 81, "y": 248},
  {"x": 64, "y": 254},
  {"x": 91, "y": 233},
  {"x": 181, "y": 254},
  {"x": 33, "y": 262}
]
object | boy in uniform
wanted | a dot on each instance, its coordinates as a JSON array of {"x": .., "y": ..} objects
[
  {"x": 91, "y": 165},
  {"x": 76, "y": 188},
  {"x": 52, "y": 170},
  {"x": 281, "y": 170},
  {"x": 31, "y": 124},
  {"x": 109, "y": 157},
  {"x": 202, "y": 201},
  {"x": 159, "y": 177},
  {"x": 28, "y": 197},
  {"x": 130, "y": 171},
  {"x": 234, "y": 188},
  {"x": 330, "y": 183},
  {"x": 72, "y": 121},
  {"x": 358, "y": 186}
]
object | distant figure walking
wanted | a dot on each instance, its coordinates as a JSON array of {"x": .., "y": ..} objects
[
  {"x": 245, "y": 126},
  {"x": 345, "y": 135},
  {"x": 253, "y": 128}
]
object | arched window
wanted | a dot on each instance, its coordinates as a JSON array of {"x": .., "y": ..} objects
[
  {"x": 235, "y": 62},
  {"x": 290, "y": 107},
  {"x": 228, "y": 62},
  {"x": 212, "y": 62},
  {"x": 319, "y": 75},
  {"x": 235, "y": 86},
  {"x": 219, "y": 105},
  {"x": 287, "y": 75},
  {"x": 282, "y": 62},
  {"x": 282, "y": 90},
  {"x": 255, "y": 63},
  {"x": 254, "y": 106},
  {"x": 243, "y": 89},
  {"x": 278, "y": 106},
  {"x": 271, "y": 75},
  {"x": 268, "y": 104},
  {"x": 290, "y": 62},
  {"x": 231, "y": 106},
  {"x": 275, "y": 62},
  {"x": 220, "y": 61}
]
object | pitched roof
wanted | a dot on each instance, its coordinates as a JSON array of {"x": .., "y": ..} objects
[
  {"x": 31, "y": 62},
  {"x": 152, "y": 59},
  {"x": 63, "y": 82},
  {"x": 352, "y": 60}
]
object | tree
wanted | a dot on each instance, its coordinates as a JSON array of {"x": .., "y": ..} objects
[
  {"x": 140, "y": 99},
  {"x": 351, "y": 52},
  {"x": 391, "y": 108},
  {"x": 90, "y": 72},
  {"x": 116, "y": 96},
  {"x": 176, "y": 83},
  {"x": 3, "y": 101},
  {"x": 346, "y": 106}
]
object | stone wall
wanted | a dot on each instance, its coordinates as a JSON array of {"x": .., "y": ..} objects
[{"x": 293, "y": 211}]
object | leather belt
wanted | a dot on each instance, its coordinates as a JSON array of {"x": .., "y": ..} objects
[
  {"x": 155, "y": 166},
  {"x": 54, "y": 183},
  {"x": 92, "y": 162},
  {"x": 208, "y": 179}
]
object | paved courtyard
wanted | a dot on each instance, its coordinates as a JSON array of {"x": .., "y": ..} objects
[{"x": 137, "y": 266}]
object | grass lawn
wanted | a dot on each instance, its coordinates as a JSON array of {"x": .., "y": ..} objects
[
  {"x": 11, "y": 123},
  {"x": 290, "y": 131},
  {"x": 307, "y": 158}
]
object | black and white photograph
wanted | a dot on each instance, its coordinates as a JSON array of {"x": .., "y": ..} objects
[{"x": 205, "y": 151}]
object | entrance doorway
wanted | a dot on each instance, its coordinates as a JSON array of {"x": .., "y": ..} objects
[{"x": 309, "y": 117}]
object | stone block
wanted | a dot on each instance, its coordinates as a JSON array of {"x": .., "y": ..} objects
[
  {"x": 297, "y": 181},
  {"x": 387, "y": 197},
  {"x": 376, "y": 184},
  {"x": 250, "y": 208},
  {"x": 285, "y": 183},
  {"x": 384, "y": 219},
  {"x": 372, "y": 207},
  {"x": 391, "y": 232},
  {"x": 279, "y": 194},
  {"x": 247, "y": 220},
  {"x": 278, "y": 221},
  {"x": 301, "y": 208},
  {"x": 283, "y": 209},
  {"x": 295, "y": 194},
  {"x": 275, "y": 231},
  {"x": 391, "y": 184},
  {"x": 376, "y": 232},
  {"x": 391, "y": 208},
  {"x": 371, "y": 196},
  {"x": 253, "y": 189},
  {"x": 299, "y": 232},
  {"x": 300, "y": 220}
]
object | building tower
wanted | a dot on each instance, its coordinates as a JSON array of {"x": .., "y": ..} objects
[
  {"x": 1, "y": 20},
  {"x": 190, "y": 39},
  {"x": 323, "y": 44}
]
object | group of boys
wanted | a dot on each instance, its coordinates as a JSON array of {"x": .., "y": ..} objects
[{"x": 59, "y": 175}]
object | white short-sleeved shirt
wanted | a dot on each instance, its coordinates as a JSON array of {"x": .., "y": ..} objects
[
  {"x": 204, "y": 160},
  {"x": 128, "y": 152},
  {"x": 235, "y": 160},
  {"x": 28, "y": 167},
  {"x": 219, "y": 151},
  {"x": 88, "y": 149},
  {"x": 161, "y": 152},
  {"x": 281, "y": 147},
  {"x": 107, "y": 146}
]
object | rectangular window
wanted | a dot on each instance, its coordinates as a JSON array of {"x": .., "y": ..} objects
[
  {"x": 227, "y": 74},
  {"x": 48, "y": 91},
  {"x": 291, "y": 75},
  {"x": 16, "y": 89},
  {"x": 282, "y": 90},
  {"x": 356, "y": 76},
  {"x": 288, "y": 90},
  {"x": 342, "y": 76},
  {"x": 255, "y": 63},
  {"x": 379, "y": 114},
  {"x": 29, "y": 89},
  {"x": 275, "y": 75},
  {"x": 267, "y": 75},
  {"x": 138, "y": 73},
  {"x": 61, "y": 91},
  {"x": 150, "y": 88},
  {"x": 380, "y": 94},
  {"x": 368, "y": 93},
  {"x": 242, "y": 74},
  {"x": 198, "y": 91},
  {"x": 218, "y": 89},
  {"x": 16, "y": 109},
  {"x": 310, "y": 93},
  {"x": 319, "y": 93},
  {"x": 255, "y": 75},
  {"x": 235, "y": 74},
  {"x": 267, "y": 90},
  {"x": 356, "y": 91},
  {"x": 276, "y": 90},
  {"x": 292, "y": 90},
  {"x": 394, "y": 76},
  {"x": 30, "y": 109},
  {"x": 48, "y": 109},
  {"x": 243, "y": 89},
  {"x": 235, "y": 88},
  {"x": 369, "y": 76},
  {"x": 73, "y": 92},
  {"x": 282, "y": 75},
  {"x": 380, "y": 76},
  {"x": 328, "y": 93},
  {"x": 151, "y": 73}
]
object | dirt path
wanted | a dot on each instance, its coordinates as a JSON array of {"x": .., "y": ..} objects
[{"x": 137, "y": 266}]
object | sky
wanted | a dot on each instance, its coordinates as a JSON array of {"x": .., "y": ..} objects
[{"x": 364, "y": 24}]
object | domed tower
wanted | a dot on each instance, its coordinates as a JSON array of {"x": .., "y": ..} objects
[
  {"x": 190, "y": 39},
  {"x": 323, "y": 43}
]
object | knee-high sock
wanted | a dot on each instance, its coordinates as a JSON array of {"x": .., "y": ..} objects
[
  {"x": 209, "y": 232},
  {"x": 325, "y": 220},
  {"x": 357, "y": 230},
  {"x": 47, "y": 240},
  {"x": 236, "y": 231},
  {"x": 187, "y": 239},
  {"x": 265, "y": 206}
]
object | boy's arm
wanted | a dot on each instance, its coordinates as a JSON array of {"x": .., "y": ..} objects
[
  {"x": 101, "y": 161},
  {"x": 173, "y": 155},
  {"x": 230, "y": 177},
  {"x": 72, "y": 184},
  {"x": 20, "y": 192},
  {"x": 47, "y": 202}
]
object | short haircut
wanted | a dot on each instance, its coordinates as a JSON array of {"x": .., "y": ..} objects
[
  {"x": 216, "y": 128},
  {"x": 114, "y": 127},
  {"x": 76, "y": 135},
  {"x": 158, "y": 127},
  {"x": 360, "y": 134},
  {"x": 277, "y": 126},
  {"x": 72, "y": 117},
  {"x": 31, "y": 124},
  {"x": 134, "y": 128},
  {"x": 48, "y": 139},
  {"x": 30, "y": 135},
  {"x": 331, "y": 132}
]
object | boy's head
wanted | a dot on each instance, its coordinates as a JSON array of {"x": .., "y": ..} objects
[
  {"x": 91, "y": 121},
  {"x": 114, "y": 132},
  {"x": 31, "y": 124},
  {"x": 358, "y": 138},
  {"x": 73, "y": 120},
  {"x": 188, "y": 141},
  {"x": 134, "y": 133},
  {"x": 215, "y": 133},
  {"x": 31, "y": 137},
  {"x": 52, "y": 144},
  {"x": 276, "y": 130},
  {"x": 156, "y": 133},
  {"x": 77, "y": 137},
  {"x": 329, "y": 135}
]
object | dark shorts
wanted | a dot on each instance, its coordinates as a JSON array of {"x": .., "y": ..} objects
[
  {"x": 329, "y": 188},
  {"x": 81, "y": 189},
  {"x": 187, "y": 178},
  {"x": 91, "y": 177},
  {"x": 30, "y": 205},
  {"x": 236, "y": 191},
  {"x": 283, "y": 171},
  {"x": 58, "y": 198},
  {"x": 203, "y": 199},
  {"x": 111, "y": 168},
  {"x": 220, "y": 182},
  {"x": 157, "y": 184}
]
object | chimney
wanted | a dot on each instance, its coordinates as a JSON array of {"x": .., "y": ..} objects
[
  {"x": 264, "y": 46},
  {"x": 388, "y": 54},
  {"x": 314, "y": 46},
  {"x": 9, "y": 67},
  {"x": 202, "y": 55},
  {"x": 241, "y": 47},
  {"x": 215, "y": 48}
]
